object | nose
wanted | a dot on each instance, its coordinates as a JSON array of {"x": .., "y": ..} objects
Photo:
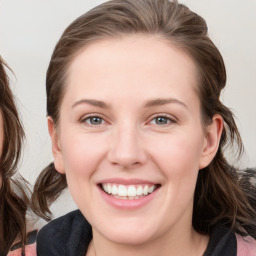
[{"x": 126, "y": 149}]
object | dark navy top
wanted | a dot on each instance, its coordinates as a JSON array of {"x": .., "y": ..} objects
[{"x": 71, "y": 234}]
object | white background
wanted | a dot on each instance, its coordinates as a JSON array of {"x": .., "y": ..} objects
[{"x": 29, "y": 30}]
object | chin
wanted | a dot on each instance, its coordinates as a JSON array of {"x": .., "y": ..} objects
[
  {"x": 131, "y": 238},
  {"x": 128, "y": 234}
]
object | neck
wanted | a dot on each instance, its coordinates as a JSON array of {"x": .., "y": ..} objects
[{"x": 179, "y": 244}]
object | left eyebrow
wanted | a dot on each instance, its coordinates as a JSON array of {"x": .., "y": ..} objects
[
  {"x": 96, "y": 103},
  {"x": 164, "y": 101}
]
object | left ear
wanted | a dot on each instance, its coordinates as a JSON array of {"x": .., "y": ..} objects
[{"x": 212, "y": 140}]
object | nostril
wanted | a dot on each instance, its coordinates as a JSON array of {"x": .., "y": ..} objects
[
  {"x": 127, "y": 159},
  {"x": 125, "y": 149}
]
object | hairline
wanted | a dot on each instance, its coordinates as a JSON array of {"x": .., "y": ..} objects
[{"x": 119, "y": 35}]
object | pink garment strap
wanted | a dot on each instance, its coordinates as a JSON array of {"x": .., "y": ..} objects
[
  {"x": 30, "y": 250},
  {"x": 30, "y": 247},
  {"x": 246, "y": 246}
]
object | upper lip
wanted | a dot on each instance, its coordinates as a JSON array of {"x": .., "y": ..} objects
[{"x": 127, "y": 181}]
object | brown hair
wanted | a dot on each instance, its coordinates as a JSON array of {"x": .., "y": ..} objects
[
  {"x": 14, "y": 200},
  {"x": 218, "y": 195}
]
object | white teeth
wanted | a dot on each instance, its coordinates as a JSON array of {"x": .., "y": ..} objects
[
  {"x": 151, "y": 189},
  {"x": 128, "y": 192},
  {"x": 109, "y": 189},
  {"x": 114, "y": 190},
  {"x": 122, "y": 191},
  {"x": 145, "y": 190},
  {"x": 131, "y": 191},
  {"x": 139, "y": 191}
]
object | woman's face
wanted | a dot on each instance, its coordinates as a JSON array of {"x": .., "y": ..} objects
[{"x": 130, "y": 138}]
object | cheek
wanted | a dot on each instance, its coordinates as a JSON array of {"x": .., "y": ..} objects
[
  {"x": 179, "y": 154},
  {"x": 179, "y": 161},
  {"x": 81, "y": 154},
  {"x": 80, "y": 162},
  {"x": 178, "y": 158}
]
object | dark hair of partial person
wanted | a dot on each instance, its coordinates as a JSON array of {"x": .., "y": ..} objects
[
  {"x": 220, "y": 197},
  {"x": 14, "y": 200}
]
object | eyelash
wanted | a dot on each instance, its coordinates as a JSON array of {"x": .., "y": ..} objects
[
  {"x": 169, "y": 120},
  {"x": 90, "y": 117}
]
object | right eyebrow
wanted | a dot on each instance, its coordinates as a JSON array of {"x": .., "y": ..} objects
[
  {"x": 163, "y": 101},
  {"x": 96, "y": 103}
]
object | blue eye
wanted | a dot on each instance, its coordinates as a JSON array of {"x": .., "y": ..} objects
[
  {"x": 161, "y": 120},
  {"x": 94, "y": 120}
]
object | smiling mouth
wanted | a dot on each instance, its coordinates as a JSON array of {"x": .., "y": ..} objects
[{"x": 128, "y": 192}]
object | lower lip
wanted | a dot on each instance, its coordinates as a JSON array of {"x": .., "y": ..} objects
[{"x": 128, "y": 204}]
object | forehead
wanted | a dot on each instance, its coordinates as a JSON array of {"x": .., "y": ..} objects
[
  {"x": 143, "y": 61},
  {"x": 136, "y": 48}
]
